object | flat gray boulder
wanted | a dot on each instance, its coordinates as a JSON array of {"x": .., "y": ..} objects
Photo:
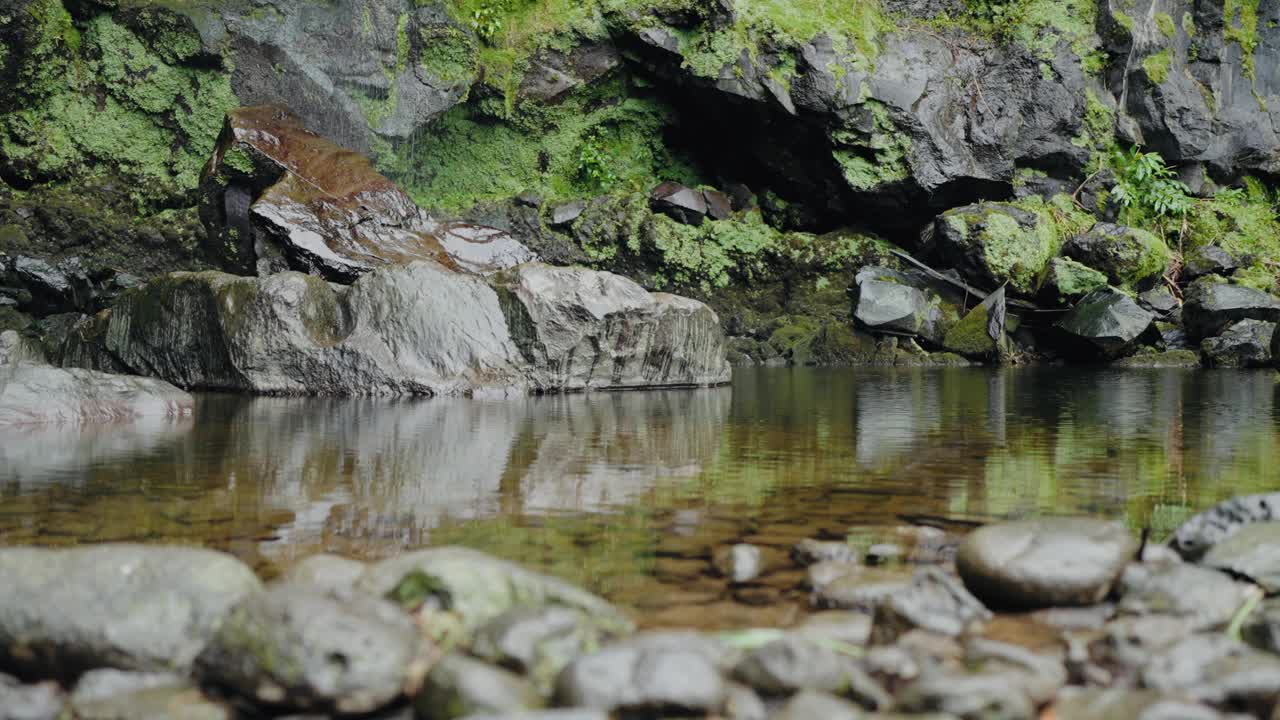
[
  {"x": 1108, "y": 320},
  {"x": 1212, "y": 305},
  {"x": 1044, "y": 562},
  {"x": 39, "y": 394},
  {"x": 132, "y": 607},
  {"x": 413, "y": 329}
]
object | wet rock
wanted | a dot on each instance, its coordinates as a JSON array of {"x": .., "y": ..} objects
[
  {"x": 327, "y": 573},
  {"x": 821, "y": 574},
  {"x": 1108, "y": 320},
  {"x": 124, "y": 606},
  {"x": 480, "y": 588},
  {"x": 536, "y": 641},
  {"x": 1126, "y": 704},
  {"x": 740, "y": 563},
  {"x": 810, "y": 551},
  {"x": 459, "y": 686},
  {"x": 116, "y": 695},
  {"x": 42, "y": 701},
  {"x": 273, "y": 189},
  {"x": 562, "y": 215},
  {"x": 1208, "y": 260},
  {"x": 1158, "y": 300},
  {"x": 1128, "y": 644},
  {"x": 980, "y": 333},
  {"x": 1089, "y": 617},
  {"x": 1261, "y": 628},
  {"x": 996, "y": 243},
  {"x": 1197, "y": 535},
  {"x": 1067, "y": 281},
  {"x": 1211, "y": 306},
  {"x": 1219, "y": 671},
  {"x": 1128, "y": 256},
  {"x": 1253, "y": 552},
  {"x": 293, "y": 647},
  {"x": 412, "y": 329},
  {"x": 933, "y": 601},
  {"x": 862, "y": 591},
  {"x": 812, "y": 704},
  {"x": 680, "y": 202},
  {"x": 1245, "y": 344},
  {"x": 1151, "y": 358},
  {"x": 1205, "y": 597},
  {"x": 888, "y": 301},
  {"x": 52, "y": 287},
  {"x": 1038, "y": 675},
  {"x": 1044, "y": 562},
  {"x": 967, "y": 696},
  {"x": 850, "y": 628},
  {"x": 667, "y": 673},
  {"x": 794, "y": 662},
  {"x": 719, "y": 205},
  {"x": 34, "y": 395},
  {"x": 15, "y": 349}
]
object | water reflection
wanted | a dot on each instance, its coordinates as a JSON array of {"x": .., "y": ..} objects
[{"x": 627, "y": 492}]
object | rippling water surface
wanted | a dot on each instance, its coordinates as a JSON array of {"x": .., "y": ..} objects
[{"x": 631, "y": 493}]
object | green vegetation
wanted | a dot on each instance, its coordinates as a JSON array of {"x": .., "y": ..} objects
[
  {"x": 1148, "y": 190},
  {"x": 871, "y": 160},
  {"x": 1156, "y": 66},
  {"x": 1243, "y": 222},
  {"x": 1241, "y": 27},
  {"x": 1072, "y": 279}
]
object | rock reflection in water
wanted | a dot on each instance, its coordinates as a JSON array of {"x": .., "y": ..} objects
[{"x": 634, "y": 494}]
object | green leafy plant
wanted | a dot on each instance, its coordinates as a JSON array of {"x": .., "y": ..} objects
[
  {"x": 1146, "y": 185},
  {"x": 594, "y": 167},
  {"x": 486, "y": 20},
  {"x": 1001, "y": 15}
]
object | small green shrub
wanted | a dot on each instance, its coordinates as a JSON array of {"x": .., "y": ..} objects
[
  {"x": 1001, "y": 15},
  {"x": 486, "y": 20},
  {"x": 1145, "y": 186},
  {"x": 594, "y": 167}
]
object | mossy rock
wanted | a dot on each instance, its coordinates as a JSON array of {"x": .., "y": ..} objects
[
  {"x": 1068, "y": 280},
  {"x": 980, "y": 334},
  {"x": 1128, "y": 256},
  {"x": 997, "y": 243}
]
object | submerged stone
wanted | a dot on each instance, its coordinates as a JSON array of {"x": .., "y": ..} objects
[
  {"x": 933, "y": 601},
  {"x": 1044, "y": 562},
  {"x": 1108, "y": 320},
  {"x": 277, "y": 195}
]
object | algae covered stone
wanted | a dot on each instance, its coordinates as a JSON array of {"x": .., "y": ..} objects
[
  {"x": 1127, "y": 255},
  {"x": 980, "y": 333},
  {"x": 1068, "y": 279},
  {"x": 997, "y": 243}
]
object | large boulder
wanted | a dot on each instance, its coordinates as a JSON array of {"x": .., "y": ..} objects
[
  {"x": 33, "y": 394},
  {"x": 411, "y": 329},
  {"x": 1107, "y": 321},
  {"x": 1211, "y": 306},
  {"x": 997, "y": 243},
  {"x": 124, "y": 606},
  {"x": 890, "y": 301},
  {"x": 277, "y": 195},
  {"x": 295, "y": 647},
  {"x": 1128, "y": 256},
  {"x": 1245, "y": 344},
  {"x": 1044, "y": 562},
  {"x": 981, "y": 332}
]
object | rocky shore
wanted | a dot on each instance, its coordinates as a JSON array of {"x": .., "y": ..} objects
[{"x": 1055, "y": 617}]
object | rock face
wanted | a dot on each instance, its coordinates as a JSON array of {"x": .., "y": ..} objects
[
  {"x": 38, "y": 394},
  {"x": 411, "y": 329},
  {"x": 1126, "y": 255},
  {"x": 1212, "y": 306},
  {"x": 124, "y": 606},
  {"x": 1044, "y": 562},
  {"x": 277, "y": 195},
  {"x": 1108, "y": 320},
  {"x": 294, "y": 647},
  {"x": 1245, "y": 344}
]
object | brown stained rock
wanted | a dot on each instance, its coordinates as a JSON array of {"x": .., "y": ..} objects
[{"x": 275, "y": 194}]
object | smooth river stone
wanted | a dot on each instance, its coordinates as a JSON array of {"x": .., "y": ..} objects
[
  {"x": 1253, "y": 551},
  {"x": 1044, "y": 562},
  {"x": 132, "y": 607}
]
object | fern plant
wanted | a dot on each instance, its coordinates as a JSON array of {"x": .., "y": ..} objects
[
  {"x": 594, "y": 167},
  {"x": 487, "y": 22},
  {"x": 1145, "y": 184}
]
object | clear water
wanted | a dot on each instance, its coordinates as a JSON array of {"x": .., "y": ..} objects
[{"x": 630, "y": 494}]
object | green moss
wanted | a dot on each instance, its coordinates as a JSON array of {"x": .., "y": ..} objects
[
  {"x": 1164, "y": 23},
  {"x": 1073, "y": 279},
  {"x": 237, "y": 159},
  {"x": 1241, "y": 27},
  {"x": 1123, "y": 20},
  {"x": 1157, "y": 66},
  {"x": 1188, "y": 25},
  {"x": 448, "y": 53},
  {"x": 970, "y": 336},
  {"x": 469, "y": 157},
  {"x": 868, "y": 161},
  {"x": 1243, "y": 222}
]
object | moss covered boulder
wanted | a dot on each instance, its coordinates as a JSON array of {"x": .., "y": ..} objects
[
  {"x": 1128, "y": 256},
  {"x": 996, "y": 243},
  {"x": 980, "y": 333},
  {"x": 1068, "y": 280}
]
